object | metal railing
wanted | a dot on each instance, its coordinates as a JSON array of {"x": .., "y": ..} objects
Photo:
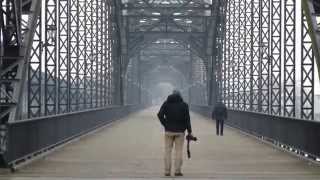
[
  {"x": 30, "y": 138},
  {"x": 295, "y": 135}
]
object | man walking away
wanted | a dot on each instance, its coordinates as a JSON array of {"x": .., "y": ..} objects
[
  {"x": 219, "y": 113},
  {"x": 175, "y": 118}
]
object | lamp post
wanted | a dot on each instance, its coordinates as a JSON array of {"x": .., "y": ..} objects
[{"x": 51, "y": 32}]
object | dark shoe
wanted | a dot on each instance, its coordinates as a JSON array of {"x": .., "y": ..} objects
[
  {"x": 178, "y": 174},
  {"x": 167, "y": 174}
]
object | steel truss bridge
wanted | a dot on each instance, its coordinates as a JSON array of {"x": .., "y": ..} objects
[{"x": 70, "y": 66}]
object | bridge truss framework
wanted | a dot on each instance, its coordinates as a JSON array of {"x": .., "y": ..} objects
[{"x": 60, "y": 57}]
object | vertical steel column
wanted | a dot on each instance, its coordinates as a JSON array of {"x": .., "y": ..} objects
[
  {"x": 230, "y": 38},
  {"x": 35, "y": 106},
  {"x": 241, "y": 55},
  {"x": 101, "y": 60},
  {"x": 276, "y": 57},
  {"x": 220, "y": 43},
  {"x": 236, "y": 55},
  {"x": 109, "y": 48},
  {"x": 111, "y": 62},
  {"x": 50, "y": 83},
  {"x": 105, "y": 52},
  {"x": 82, "y": 58},
  {"x": 265, "y": 51},
  {"x": 307, "y": 73},
  {"x": 73, "y": 55},
  {"x": 289, "y": 58},
  {"x": 247, "y": 56},
  {"x": 64, "y": 57},
  {"x": 98, "y": 58},
  {"x": 94, "y": 56},
  {"x": 139, "y": 77},
  {"x": 108, "y": 69},
  {"x": 88, "y": 54},
  {"x": 102, "y": 56},
  {"x": 255, "y": 55},
  {"x": 98, "y": 54},
  {"x": 226, "y": 57},
  {"x": 190, "y": 77}
]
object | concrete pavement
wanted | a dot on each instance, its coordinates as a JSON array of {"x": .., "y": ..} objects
[{"x": 132, "y": 148}]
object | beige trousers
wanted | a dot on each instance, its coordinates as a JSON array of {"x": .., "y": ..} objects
[{"x": 177, "y": 139}]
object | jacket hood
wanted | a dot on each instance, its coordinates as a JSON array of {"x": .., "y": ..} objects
[{"x": 174, "y": 98}]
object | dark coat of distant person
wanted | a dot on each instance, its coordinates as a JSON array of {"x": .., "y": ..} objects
[{"x": 220, "y": 112}]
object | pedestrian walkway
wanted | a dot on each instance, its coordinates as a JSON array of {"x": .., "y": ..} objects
[{"x": 132, "y": 148}]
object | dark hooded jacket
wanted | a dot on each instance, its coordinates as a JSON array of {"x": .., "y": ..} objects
[
  {"x": 174, "y": 114},
  {"x": 220, "y": 112},
  {"x": 316, "y": 5}
]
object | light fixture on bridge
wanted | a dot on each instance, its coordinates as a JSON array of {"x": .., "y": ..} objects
[
  {"x": 142, "y": 20},
  {"x": 177, "y": 19},
  {"x": 52, "y": 30},
  {"x": 165, "y": 2},
  {"x": 177, "y": 14},
  {"x": 51, "y": 35},
  {"x": 155, "y": 19},
  {"x": 156, "y": 13},
  {"x": 188, "y": 21}
]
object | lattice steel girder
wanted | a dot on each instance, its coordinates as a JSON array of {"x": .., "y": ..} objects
[
  {"x": 265, "y": 53},
  {"x": 153, "y": 36},
  {"x": 214, "y": 50},
  {"x": 13, "y": 72},
  {"x": 167, "y": 72},
  {"x": 260, "y": 37},
  {"x": 307, "y": 72},
  {"x": 165, "y": 24},
  {"x": 255, "y": 68},
  {"x": 35, "y": 74},
  {"x": 164, "y": 53},
  {"x": 179, "y": 63},
  {"x": 64, "y": 56},
  {"x": 204, "y": 11},
  {"x": 309, "y": 7},
  {"x": 226, "y": 57},
  {"x": 276, "y": 58},
  {"x": 79, "y": 71},
  {"x": 122, "y": 26},
  {"x": 142, "y": 16},
  {"x": 153, "y": 58},
  {"x": 133, "y": 51},
  {"x": 195, "y": 49},
  {"x": 10, "y": 23},
  {"x": 50, "y": 57},
  {"x": 289, "y": 59},
  {"x": 170, "y": 45},
  {"x": 17, "y": 69},
  {"x": 185, "y": 4}
]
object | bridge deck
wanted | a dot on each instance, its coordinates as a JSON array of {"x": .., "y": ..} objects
[{"x": 133, "y": 147}]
